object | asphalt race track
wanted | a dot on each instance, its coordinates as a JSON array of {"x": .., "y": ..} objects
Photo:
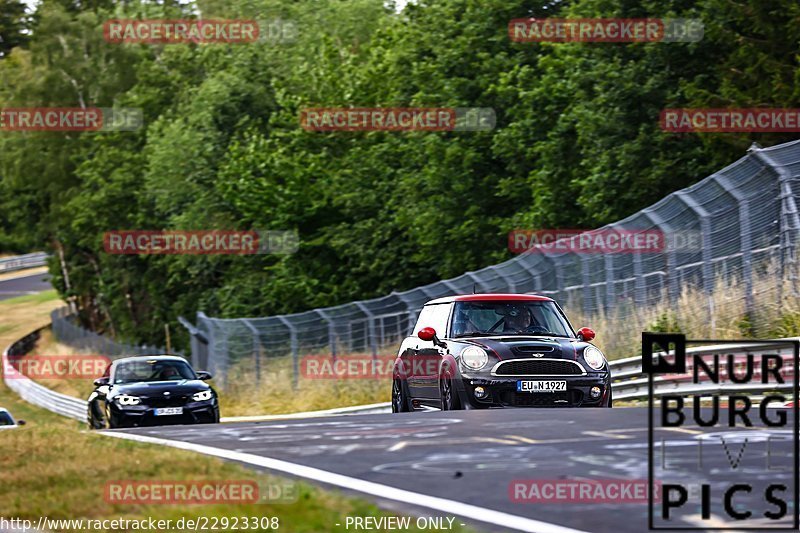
[
  {"x": 11, "y": 288},
  {"x": 473, "y": 456}
]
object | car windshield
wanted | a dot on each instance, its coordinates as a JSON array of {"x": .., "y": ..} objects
[
  {"x": 153, "y": 370},
  {"x": 509, "y": 318},
  {"x": 5, "y": 419}
]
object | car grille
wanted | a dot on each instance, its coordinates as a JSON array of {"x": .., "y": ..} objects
[
  {"x": 166, "y": 401},
  {"x": 543, "y": 367},
  {"x": 571, "y": 398}
]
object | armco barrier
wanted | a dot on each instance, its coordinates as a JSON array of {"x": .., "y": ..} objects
[
  {"x": 34, "y": 393},
  {"x": 9, "y": 264},
  {"x": 628, "y": 384}
]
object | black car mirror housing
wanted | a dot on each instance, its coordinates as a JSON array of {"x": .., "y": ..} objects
[
  {"x": 203, "y": 375},
  {"x": 99, "y": 382}
]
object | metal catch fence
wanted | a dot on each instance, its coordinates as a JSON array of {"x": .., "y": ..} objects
[
  {"x": 67, "y": 330},
  {"x": 743, "y": 220}
]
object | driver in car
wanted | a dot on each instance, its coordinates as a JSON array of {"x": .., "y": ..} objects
[
  {"x": 168, "y": 374},
  {"x": 518, "y": 319}
]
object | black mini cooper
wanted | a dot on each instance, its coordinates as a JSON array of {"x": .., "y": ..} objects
[
  {"x": 498, "y": 350},
  {"x": 151, "y": 391}
]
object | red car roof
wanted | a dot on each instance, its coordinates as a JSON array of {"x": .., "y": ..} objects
[{"x": 491, "y": 298}]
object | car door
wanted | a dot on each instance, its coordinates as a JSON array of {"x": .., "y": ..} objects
[{"x": 428, "y": 356}]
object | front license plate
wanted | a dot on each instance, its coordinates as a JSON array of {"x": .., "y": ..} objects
[
  {"x": 541, "y": 386},
  {"x": 164, "y": 411}
]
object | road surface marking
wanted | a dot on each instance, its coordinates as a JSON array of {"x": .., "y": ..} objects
[{"x": 479, "y": 514}]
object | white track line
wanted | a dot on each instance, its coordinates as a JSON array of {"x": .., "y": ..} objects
[
  {"x": 479, "y": 514},
  {"x": 373, "y": 408}
]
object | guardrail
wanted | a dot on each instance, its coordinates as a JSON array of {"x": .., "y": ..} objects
[
  {"x": 21, "y": 262},
  {"x": 32, "y": 392},
  {"x": 628, "y": 382}
]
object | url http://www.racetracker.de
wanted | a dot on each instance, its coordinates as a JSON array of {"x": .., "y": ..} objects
[{"x": 198, "y": 523}]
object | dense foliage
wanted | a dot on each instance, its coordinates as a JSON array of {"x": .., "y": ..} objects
[{"x": 577, "y": 142}]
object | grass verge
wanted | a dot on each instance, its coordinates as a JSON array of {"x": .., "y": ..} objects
[{"x": 55, "y": 467}]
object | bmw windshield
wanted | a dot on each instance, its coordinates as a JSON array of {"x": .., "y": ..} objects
[
  {"x": 152, "y": 370},
  {"x": 509, "y": 318}
]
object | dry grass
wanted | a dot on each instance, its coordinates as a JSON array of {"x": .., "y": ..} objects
[
  {"x": 275, "y": 393},
  {"x": 47, "y": 345},
  {"x": 21, "y": 315},
  {"x": 54, "y": 467},
  {"x": 718, "y": 315}
]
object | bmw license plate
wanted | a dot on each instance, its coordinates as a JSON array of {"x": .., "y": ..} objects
[
  {"x": 164, "y": 411},
  {"x": 541, "y": 386}
]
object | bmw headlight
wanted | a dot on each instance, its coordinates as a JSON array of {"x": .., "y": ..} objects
[
  {"x": 125, "y": 399},
  {"x": 594, "y": 357},
  {"x": 202, "y": 396},
  {"x": 474, "y": 358}
]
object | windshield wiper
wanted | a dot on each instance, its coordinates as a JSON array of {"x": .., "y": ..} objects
[{"x": 538, "y": 334}]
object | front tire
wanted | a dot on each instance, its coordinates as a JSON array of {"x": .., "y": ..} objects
[
  {"x": 448, "y": 395},
  {"x": 95, "y": 422},
  {"x": 399, "y": 399}
]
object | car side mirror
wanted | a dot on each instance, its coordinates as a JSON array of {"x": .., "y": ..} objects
[
  {"x": 586, "y": 334},
  {"x": 429, "y": 334},
  {"x": 99, "y": 382},
  {"x": 21, "y": 422},
  {"x": 203, "y": 375}
]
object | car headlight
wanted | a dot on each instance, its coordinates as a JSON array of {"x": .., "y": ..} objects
[
  {"x": 594, "y": 357},
  {"x": 474, "y": 358},
  {"x": 202, "y": 396},
  {"x": 125, "y": 399}
]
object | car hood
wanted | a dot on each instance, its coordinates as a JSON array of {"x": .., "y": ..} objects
[
  {"x": 522, "y": 346},
  {"x": 157, "y": 388}
]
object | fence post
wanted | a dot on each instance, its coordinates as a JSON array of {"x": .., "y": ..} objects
[
  {"x": 611, "y": 292},
  {"x": 293, "y": 341},
  {"x": 705, "y": 230},
  {"x": 512, "y": 287},
  {"x": 638, "y": 281},
  {"x": 331, "y": 331},
  {"x": 587, "y": 289},
  {"x": 256, "y": 349},
  {"x": 669, "y": 259},
  {"x": 746, "y": 242},
  {"x": 370, "y": 329}
]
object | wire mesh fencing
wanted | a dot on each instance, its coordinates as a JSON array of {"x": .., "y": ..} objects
[
  {"x": 67, "y": 330},
  {"x": 743, "y": 221}
]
